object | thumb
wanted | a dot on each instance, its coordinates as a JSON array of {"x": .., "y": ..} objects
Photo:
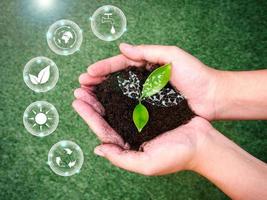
[
  {"x": 129, "y": 160},
  {"x": 152, "y": 53},
  {"x": 107, "y": 150}
]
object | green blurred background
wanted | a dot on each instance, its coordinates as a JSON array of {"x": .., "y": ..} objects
[{"x": 225, "y": 34}]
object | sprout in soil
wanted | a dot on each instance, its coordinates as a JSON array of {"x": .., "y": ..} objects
[{"x": 157, "y": 80}]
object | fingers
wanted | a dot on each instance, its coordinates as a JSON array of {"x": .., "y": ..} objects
[
  {"x": 88, "y": 88},
  {"x": 133, "y": 161},
  {"x": 86, "y": 79},
  {"x": 110, "y": 65},
  {"x": 131, "y": 56},
  {"x": 97, "y": 124},
  {"x": 85, "y": 96},
  {"x": 151, "y": 53}
]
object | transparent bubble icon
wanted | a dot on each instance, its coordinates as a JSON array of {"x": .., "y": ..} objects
[
  {"x": 40, "y": 74},
  {"x": 108, "y": 23},
  {"x": 65, "y": 158},
  {"x": 64, "y": 37},
  {"x": 40, "y": 118}
]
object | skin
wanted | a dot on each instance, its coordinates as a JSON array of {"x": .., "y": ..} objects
[{"x": 196, "y": 146}]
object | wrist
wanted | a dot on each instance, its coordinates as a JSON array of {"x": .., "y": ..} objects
[
  {"x": 217, "y": 92},
  {"x": 204, "y": 151},
  {"x": 222, "y": 93},
  {"x": 231, "y": 168},
  {"x": 205, "y": 134}
]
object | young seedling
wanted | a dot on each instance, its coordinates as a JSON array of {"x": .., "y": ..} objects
[{"x": 157, "y": 80}]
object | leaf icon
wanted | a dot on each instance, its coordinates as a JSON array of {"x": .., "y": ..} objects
[
  {"x": 44, "y": 75},
  {"x": 34, "y": 79}
]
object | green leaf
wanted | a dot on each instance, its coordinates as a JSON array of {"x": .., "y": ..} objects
[
  {"x": 140, "y": 116},
  {"x": 157, "y": 80}
]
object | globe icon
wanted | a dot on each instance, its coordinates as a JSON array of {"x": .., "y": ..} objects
[
  {"x": 64, "y": 37},
  {"x": 67, "y": 36}
]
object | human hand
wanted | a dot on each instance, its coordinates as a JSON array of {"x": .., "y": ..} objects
[
  {"x": 91, "y": 110},
  {"x": 196, "y": 81},
  {"x": 196, "y": 146},
  {"x": 170, "y": 152}
]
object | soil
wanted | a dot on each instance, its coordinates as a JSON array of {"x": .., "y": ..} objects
[{"x": 119, "y": 109}]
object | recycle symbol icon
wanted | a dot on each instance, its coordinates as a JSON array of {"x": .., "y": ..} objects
[{"x": 65, "y": 158}]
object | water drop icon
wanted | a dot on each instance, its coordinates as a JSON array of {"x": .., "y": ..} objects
[{"x": 112, "y": 30}]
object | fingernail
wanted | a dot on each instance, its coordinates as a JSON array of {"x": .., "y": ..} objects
[
  {"x": 98, "y": 152},
  {"x": 74, "y": 103},
  {"x": 90, "y": 71},
  {"x": 127, "y": 146},
  {"x": 76, "y": 92}
]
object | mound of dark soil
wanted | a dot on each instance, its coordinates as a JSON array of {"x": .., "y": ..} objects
[{"x": 119, "y": 109}]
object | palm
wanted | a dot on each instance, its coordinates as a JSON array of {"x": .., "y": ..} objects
[{"x": 176, "y": 148}]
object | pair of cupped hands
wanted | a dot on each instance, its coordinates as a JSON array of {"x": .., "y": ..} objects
[{"x": 175, "y": 150}]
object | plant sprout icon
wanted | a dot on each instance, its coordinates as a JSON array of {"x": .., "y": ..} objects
[{"x": 107, "y": 18}]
